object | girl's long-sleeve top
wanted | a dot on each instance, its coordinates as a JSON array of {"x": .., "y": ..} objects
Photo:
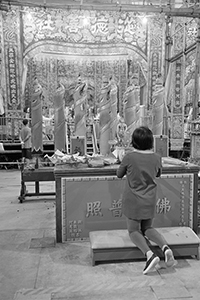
[{"x": 141, "y": 169}]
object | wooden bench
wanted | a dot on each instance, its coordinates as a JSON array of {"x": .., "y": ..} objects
[{"x": 115, "y": 245}]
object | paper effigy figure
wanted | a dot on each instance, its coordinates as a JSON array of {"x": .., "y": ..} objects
[
  {"x": 36, "y": 118},
  {"x": 80, "y": 102},
  {"x": 131, "y": 106},
  {"x": 158, "y": 108},
  {"x": 113, "y": 109},
  {"x": 105, "y": 118},
  {"x": 59, "y": 119}
]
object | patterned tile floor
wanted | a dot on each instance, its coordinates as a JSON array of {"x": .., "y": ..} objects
[{"x": 33, "y": 267}]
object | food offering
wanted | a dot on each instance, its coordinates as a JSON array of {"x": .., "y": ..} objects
[{"x": 78, "y": 161}]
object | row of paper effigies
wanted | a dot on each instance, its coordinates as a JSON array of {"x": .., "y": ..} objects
[
  {"x": 98, "y": 160},
  {"x": 92, "y": 160}
]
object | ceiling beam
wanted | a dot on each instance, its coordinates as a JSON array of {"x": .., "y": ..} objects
[{"x": 191, "y": 12}]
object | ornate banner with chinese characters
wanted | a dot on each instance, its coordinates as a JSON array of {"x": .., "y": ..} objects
[
  {"x": 11, "y": 29},
  {"x": 155, "y": 48},
  {"x": 12, "y": 76},
  {"x": 94, "y": 203},
  {"x": 177, "y": 86}
]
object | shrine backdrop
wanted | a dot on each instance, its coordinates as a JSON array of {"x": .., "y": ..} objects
[{"x": 58, "y": 45}]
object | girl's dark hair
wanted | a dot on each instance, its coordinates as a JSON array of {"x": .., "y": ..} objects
[
  {"x": 142, "y": 138},
  {"x": 25, "y": 122}
]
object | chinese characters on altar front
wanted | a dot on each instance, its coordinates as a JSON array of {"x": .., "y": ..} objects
[
  {"x": 163, "y": 206},
  {"x": 94, "y": 208}
]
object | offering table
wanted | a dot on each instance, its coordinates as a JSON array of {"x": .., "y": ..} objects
[
  {"x": 37, "y": 176},
  {"x": 90, "y": 199}
]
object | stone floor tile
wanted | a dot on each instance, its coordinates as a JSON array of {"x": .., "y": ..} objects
[
  {"x": 44, "y": 242},
  {"x": 126, "y": 294},
  {"x": 167, "y": 292},
  {"x": 21, "y": 296}
]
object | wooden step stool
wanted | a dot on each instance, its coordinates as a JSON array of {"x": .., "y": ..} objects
[{"x": 115, "y": 245}]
